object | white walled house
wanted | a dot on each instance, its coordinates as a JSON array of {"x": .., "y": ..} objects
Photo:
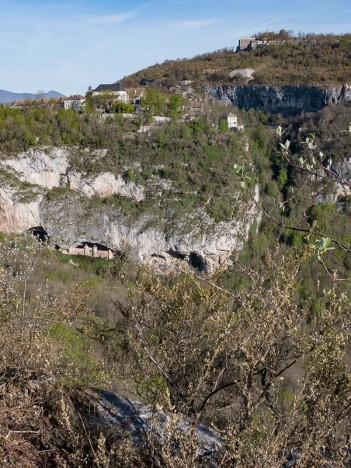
[
  {"x": 232, "y": 120},
  {"x": 113, "y": 91},
  {"x": 121, "y": 96},
  {"x": 73, "y": 102}
]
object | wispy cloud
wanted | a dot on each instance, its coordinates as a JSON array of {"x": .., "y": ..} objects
[
  {"x": 101, "y": 45},
  {"x": 198, "y": 23},
  {"x": 261, "y": 23},
  {"x": 341, "y": 13},
  {"x": 112, "y": 19}
]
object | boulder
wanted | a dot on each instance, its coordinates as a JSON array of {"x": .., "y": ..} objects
[{"x": 152, "y": 431}]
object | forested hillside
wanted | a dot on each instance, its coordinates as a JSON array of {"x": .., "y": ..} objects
[{"x": 321, "y": 60}]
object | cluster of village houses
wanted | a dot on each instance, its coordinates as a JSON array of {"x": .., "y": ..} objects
[
  {"x": 76, "y": 102},
  {"x": 116, "y": 92}
]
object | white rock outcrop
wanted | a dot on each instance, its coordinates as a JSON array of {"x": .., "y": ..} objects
[
  {"x": 342, "y": 169},
  {"x": 143, "y": 425},
  {"x": 341, "y": 188},
  {"x": 17, "y": 216},
  {"x": 40, "y": 167},
  {"x": 243, "y": 73},
  {"x": 104, "y": 185},
  {"x": 50, "y": 168}
]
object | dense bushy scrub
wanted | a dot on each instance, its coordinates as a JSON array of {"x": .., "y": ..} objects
[
  {"x": 195, "y": 158},
  {"x": 268, "y": 371},
  {"x": 320, "y": 60}
]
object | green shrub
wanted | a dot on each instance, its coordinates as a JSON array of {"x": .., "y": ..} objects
[
  {"x": 57, "y": 192},
  {"x": 323, "y": 212},
  {"x": 273, "y": 189},
  {"x": 282, "y": 178},
  {"x": 75, "y": 349}
]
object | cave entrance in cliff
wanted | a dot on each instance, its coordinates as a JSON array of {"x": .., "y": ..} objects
[
  {"x": 197, "y": 262},
  {"x": 194, "y": 259},
  {"x": 39, "y": 233}
]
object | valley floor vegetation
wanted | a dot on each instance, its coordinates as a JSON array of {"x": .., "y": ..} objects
[{"x": 260, "y": 352}]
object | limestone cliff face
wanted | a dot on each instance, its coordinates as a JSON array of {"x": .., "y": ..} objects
[
  {"x": 51, "y": 168},
  {"x": 207, "y": 246},
  {"x": 40, "y": 167},
  {"x": 167, "y": 241},
  {"x": 285, "y": 100},
  {"x": 17, "y": 216},
  {"x": 104, "y": 185},
  {"x": 342, "y": 169}
]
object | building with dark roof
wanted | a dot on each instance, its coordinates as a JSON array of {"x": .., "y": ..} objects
[
  {"x": 114, "y": 91},
  {"x": 109, "y": 87}
]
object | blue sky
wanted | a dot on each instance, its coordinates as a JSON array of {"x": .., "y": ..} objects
[{"x": 68, "y": 45}]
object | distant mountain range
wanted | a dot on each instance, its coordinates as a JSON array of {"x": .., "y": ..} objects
[{"x": 8, "y": 96}]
